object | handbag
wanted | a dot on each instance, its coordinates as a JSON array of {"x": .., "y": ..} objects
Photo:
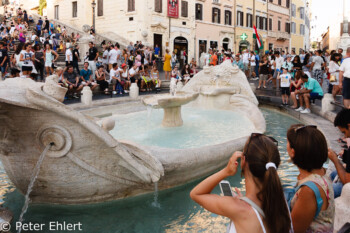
[{"x": 333, "y": 78}]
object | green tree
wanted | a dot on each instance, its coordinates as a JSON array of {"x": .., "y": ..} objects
[{"x": 42, "y": 5}]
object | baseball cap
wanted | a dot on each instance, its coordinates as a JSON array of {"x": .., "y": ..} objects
[{"x": 123, "y": 65}]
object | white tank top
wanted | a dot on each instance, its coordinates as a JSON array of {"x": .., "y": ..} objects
[{"x": 232, "y": 228}]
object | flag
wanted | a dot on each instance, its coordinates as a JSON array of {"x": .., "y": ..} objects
[{"x": 256, "y": 36}]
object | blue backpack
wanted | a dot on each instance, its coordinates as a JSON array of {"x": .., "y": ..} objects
[{"x": 289, "y": 194}]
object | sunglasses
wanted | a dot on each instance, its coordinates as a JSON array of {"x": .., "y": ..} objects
[
  {"x": 304, "y": 127},
  {"x": 253, "y": 135}
]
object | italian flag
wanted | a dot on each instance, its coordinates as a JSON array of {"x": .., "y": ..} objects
[{"x": 256, "y": 36}]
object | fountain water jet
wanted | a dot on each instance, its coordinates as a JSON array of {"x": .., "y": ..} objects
[
  {"x": 31, "y": 183},
  {"x": 155, "y": 202}
]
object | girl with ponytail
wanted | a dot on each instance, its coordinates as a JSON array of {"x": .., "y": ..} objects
[{"x": 264, "y": 208}]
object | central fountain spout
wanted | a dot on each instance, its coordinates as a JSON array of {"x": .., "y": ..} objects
[{"x": 171, "y": 106}]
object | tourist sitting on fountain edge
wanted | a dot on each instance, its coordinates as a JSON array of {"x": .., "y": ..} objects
[{"x": 264, "y": 208}]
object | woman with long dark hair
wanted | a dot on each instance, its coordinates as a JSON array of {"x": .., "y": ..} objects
[
  {"x": 263, "y": 208},
  {"x": 306, "y": 66},
  {"x": 312, "y": 207},
  {"x": 334, "y": 69},
  {"x": 39, "y": 60}
]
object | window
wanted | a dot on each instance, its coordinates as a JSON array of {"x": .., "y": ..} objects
[
  {"x": 99, "y": 7},
  {"x": 74, "y": 9},
  {"x": 279, "y": 25},
  {"x": 216, "y": 15},
  {"x": 302, "y": 29},
  {"x": 228, "y": 17},
  {"x": 294, "y": 27},
  {"x": 270, "y": 46},
  {"x": 302, "y": 12},
  {"x": 184, "y": 8},
  {"x": 157, "y": 6},
  {"x": 216, "y": 1},
  {"x": 56, "y": 12},
  {"x": 288, "y": 27},
  {"x": 293, "y": 10},
  {"x": 199, "y": 11},
  {"x": 280, "y": 2},
  {"x": 271, "y": 1},
  {"x": 239, "y": 18},
  {"x": 270, "y": 24},
  {"x": 287, "y": 3},
  {"x": 249, "y": 20},
  {"x": 131, "y": 5}
]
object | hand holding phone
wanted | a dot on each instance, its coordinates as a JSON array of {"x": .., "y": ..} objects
[{"x": 226, "y": 188}]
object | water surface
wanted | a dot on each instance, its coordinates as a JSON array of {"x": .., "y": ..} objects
[{"x": 177, "y": 212}]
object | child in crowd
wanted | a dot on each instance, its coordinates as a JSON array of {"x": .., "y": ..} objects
[
  {"x": 285, "y": 85},
  {"x": 155, "y": 77}
]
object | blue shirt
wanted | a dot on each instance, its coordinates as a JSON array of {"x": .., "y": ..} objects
[
  {"x": 314, "y": 86},
  {"x": 86, "y": 74},
  {"x": 239, "y": 64},
  {"x": 156, "y": 50}
]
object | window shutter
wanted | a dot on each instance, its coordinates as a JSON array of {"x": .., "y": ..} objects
[
  {"x": 219, "y": 14},
  {"x": 184, "y": 9},
  {"x": 158, "y": 6},
  {"x": 287, "y": 3},
  {"x": 251, "y": 21},
  {"x": 261, "y": 23},
  {"x": 100, "y": 8},
  {"x": 201, "y": 13},
  {"x": 213, "y": 15},
  {"x": 247, "y": 23}
]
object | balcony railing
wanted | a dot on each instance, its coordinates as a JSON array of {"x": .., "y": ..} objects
[{"x": 279, "y": 35}]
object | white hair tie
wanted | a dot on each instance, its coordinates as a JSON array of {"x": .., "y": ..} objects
[{"x": 268, "y": 165}]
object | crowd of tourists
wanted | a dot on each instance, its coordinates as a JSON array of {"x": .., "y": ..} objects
[
  {"x": 300, "y": 77},
  {"x": 267, "y": 206}
]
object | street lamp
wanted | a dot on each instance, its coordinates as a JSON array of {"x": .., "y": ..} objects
[{"x": 93, "y": 4}]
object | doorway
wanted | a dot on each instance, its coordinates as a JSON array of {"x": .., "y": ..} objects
[
  {"x": 202, "y": 47},
  {"x": 181, "y": 46},
  {"x": 225, "y": 43},
  {"x": 243, "y": 45},
  {"x": 158, "y": 40}
]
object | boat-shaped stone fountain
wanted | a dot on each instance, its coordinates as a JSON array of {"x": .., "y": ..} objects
[{"x": 88, "y": 162}]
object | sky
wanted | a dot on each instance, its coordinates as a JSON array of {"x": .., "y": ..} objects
[{"x": 327, "y": 11}]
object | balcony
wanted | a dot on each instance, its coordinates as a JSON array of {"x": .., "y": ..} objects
[
  {"x": 279, "y": 35},
  {"x": 279, "y": 9}
]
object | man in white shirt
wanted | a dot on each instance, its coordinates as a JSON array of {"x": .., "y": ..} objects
[
  {"x": 69, "y": 56},
  {"x": 133, "y": 74},
  {"x": 119, "y": 54},
  {"x": 344, "y": 79},
  {"x": 252, "y": 73},
  {"x": 278, "y": 64},
  {"x": 316, "y": 66},
  {"x": 245, "y": 58},
  {"x": 112, "y": 57},
  {"x": 116, "y": 80}
]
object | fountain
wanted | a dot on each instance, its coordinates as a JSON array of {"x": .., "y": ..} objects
[
  {"x": 96, "y": 160},
  {"x": 171, "y": 104}
]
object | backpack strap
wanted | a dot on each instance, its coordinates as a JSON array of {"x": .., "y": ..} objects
[{"x": 314, "y": 188}]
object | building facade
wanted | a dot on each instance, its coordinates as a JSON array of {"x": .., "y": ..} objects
[
  {"x": 133, "y": 20},
  {"x": 298, "y": 25},
  {"x": 249, "y": 13},
  {"x": 279, "y": 25},
  {"x": 214, "y": 25}
]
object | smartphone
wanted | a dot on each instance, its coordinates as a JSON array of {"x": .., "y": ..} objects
[{"x": 226, "y": 188}]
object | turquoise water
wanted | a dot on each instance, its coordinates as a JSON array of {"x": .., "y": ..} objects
[
  {"x": 177, "y": 212},
  {"x": 200, "y": 128}
]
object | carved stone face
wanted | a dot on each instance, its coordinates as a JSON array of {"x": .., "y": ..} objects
[{"x": 86, "y": 28}]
